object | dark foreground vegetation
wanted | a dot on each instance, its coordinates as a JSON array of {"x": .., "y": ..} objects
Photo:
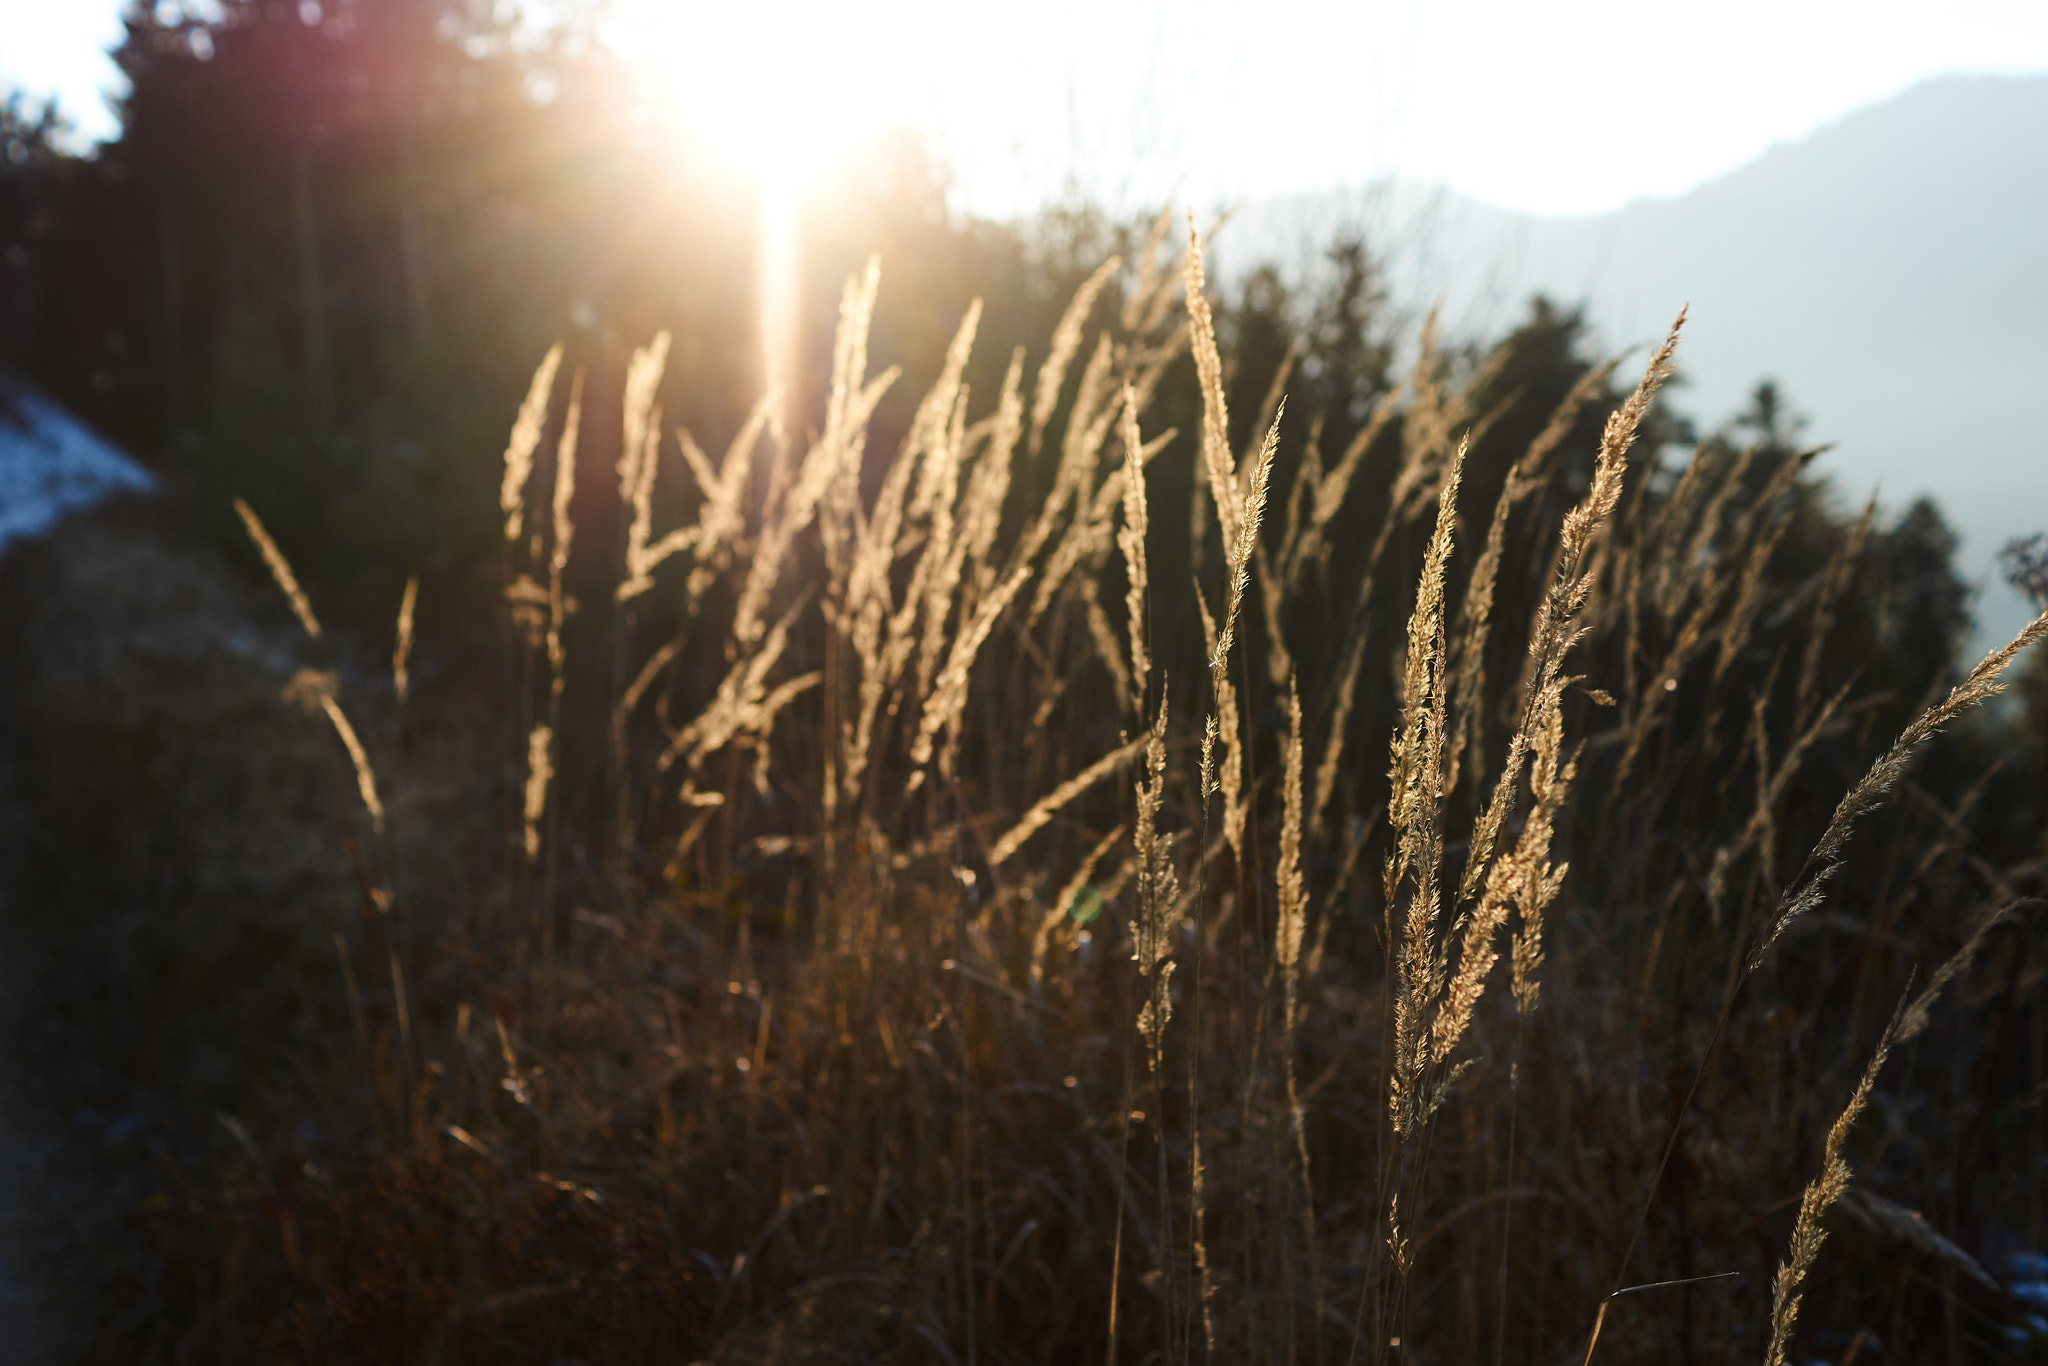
[{"x": 1051, "y": 854}]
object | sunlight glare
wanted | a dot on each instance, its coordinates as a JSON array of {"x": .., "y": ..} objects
[{"x": 781, "y": 91}]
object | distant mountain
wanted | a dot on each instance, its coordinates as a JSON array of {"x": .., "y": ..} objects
[{"x": 1890, "y": 271}]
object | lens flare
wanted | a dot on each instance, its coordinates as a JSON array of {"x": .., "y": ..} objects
[
  {"x": 778, "y": 291},
  {"x": 781, "y": 93}
]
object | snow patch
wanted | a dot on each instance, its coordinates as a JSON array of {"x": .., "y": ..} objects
[{"x": 51, "y": 465}]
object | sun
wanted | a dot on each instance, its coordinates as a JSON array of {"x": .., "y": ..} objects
[{"x": 782, "y": 92}]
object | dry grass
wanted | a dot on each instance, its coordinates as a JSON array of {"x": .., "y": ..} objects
[{"x": 836, "y": 1055}]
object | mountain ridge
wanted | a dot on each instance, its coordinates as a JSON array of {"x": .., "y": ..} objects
[{"x": 1889, "y": 270}]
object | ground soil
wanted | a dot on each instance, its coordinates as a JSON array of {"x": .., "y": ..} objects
[{"x": 170, "y": 882}]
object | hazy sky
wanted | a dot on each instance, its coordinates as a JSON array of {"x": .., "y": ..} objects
[{"x": 1569, "y": 107}]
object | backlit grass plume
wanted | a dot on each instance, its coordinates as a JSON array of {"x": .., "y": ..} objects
[{"x": 908, "y": 987}]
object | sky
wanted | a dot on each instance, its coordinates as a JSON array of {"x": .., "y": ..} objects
[{"x": 1572, "y": 107}]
